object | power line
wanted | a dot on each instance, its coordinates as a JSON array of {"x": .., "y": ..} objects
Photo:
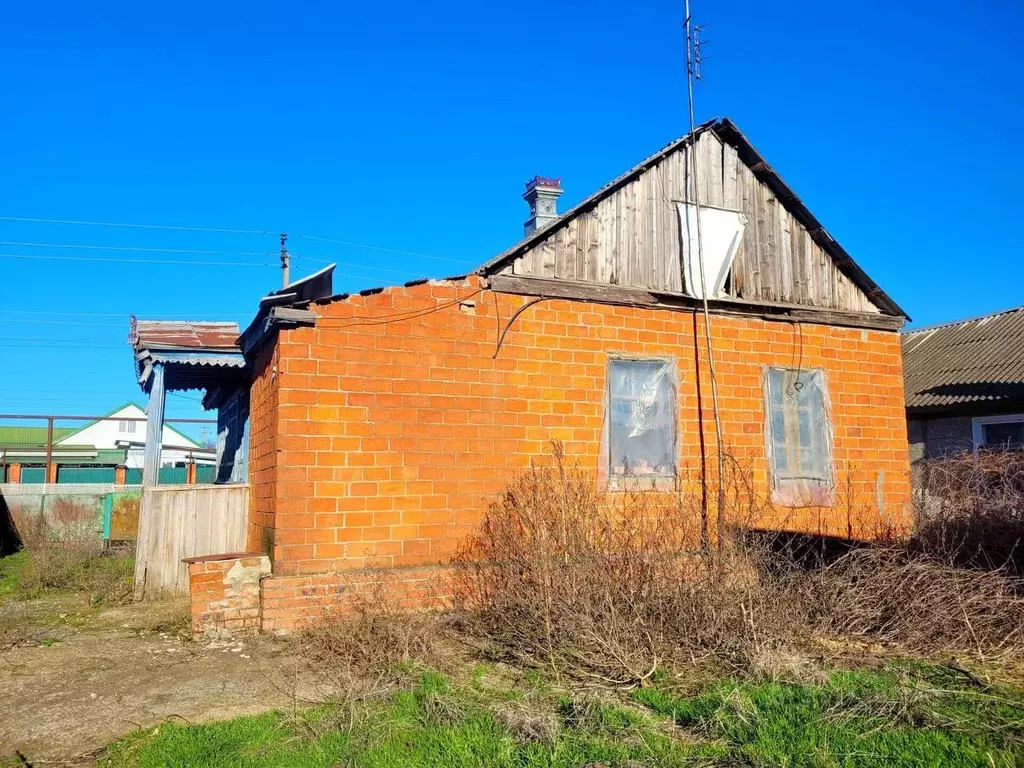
[
  {"x": 135, "y": 226},
  {"x": 134, "y": 261},
  {"x": 134, "y": 248},
  {"x": 80, "y": 222},
  {"x": 110, "y": 314},
  {"x": 123, "y": 326},
  {"x": 383, "y": 250},
  {"x": 351, "y": 264}
]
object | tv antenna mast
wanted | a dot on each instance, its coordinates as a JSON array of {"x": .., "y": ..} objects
[{"x": 694, "y": 63}]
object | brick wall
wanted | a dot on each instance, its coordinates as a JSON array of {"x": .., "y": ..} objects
[
  {"x": 291, "y": 602},
  {"x": 224, "y": 592},
  {"x": 392, "y": 431},
  {"x": 263, "y": 468}
]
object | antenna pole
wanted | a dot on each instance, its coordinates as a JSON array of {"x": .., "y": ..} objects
[
  {"x": 692, "y": 59},
  {"x": 286, "y": 261}
]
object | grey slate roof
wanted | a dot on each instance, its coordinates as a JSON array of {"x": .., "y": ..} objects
[{"x": 970, "y": 361}]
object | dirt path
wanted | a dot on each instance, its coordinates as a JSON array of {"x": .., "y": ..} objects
[{"x": 73, "y": 679}]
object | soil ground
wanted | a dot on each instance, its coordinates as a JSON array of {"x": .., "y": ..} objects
[{"x": 74, "y": 677}]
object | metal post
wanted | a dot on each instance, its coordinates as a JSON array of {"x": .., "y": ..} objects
[
  {"x": 154, "y": 428},
  {"x": 286, "y": 260},
  {"x": 49, "y": 450}
]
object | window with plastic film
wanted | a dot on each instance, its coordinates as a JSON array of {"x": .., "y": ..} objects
[
  {"x": 641, "y": 419},
  {"x": 800, "y": 433}
]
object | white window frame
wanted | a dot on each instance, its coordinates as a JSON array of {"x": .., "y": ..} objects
[{"x": 978, "y": 424}]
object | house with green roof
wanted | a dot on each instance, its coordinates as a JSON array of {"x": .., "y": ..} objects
[{"x": 94, "y": 451}]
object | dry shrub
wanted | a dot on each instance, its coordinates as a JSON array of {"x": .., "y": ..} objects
[
  {"x": 969, "y": 509},
  {"x": 895, "y": 595},
  {"x": 608, "y": 587},
  {"x": 360, "y": 646},
  {"x": 77, "y": 564}
]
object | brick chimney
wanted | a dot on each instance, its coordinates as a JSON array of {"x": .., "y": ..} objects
[{"x": 541, "y": 195}]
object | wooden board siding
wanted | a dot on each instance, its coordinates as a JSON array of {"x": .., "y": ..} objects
[
  {"x": 631, "y": 237},
  {"x": 185, "y": 521}
]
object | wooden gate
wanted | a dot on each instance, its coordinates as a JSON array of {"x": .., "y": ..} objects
[{"x": 176, "y": 522}]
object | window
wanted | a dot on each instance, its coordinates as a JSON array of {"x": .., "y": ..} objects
[
  {"x": 999, "y": 432},
  {"x": 126, "y": 427},
  {"x": 799, "y": 442},
  {"x": 641, "y": 419}
]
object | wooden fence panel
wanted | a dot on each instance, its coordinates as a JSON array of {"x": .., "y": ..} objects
[{"x": 176, "y": 522}]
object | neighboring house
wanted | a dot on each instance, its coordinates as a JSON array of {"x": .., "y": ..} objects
[
  {"x": 379, "y": 425},
  {"x": 116, "y": 431},
  {"x": 965, "y": 385},
  {"x": 94, "y": 452}
]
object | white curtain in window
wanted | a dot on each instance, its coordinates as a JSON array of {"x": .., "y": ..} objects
[{"x": 720, "y": 235}]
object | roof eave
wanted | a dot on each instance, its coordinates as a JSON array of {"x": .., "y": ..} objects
[{"x": 727, "y": 130}]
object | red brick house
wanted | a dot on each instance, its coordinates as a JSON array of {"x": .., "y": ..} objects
[{"x": 378, "y": 425}]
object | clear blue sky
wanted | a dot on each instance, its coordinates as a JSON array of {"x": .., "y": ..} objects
[{"x": 412, "y": 126}]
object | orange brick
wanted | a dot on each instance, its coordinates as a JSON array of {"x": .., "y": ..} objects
[{"x": 401, "y": 433}]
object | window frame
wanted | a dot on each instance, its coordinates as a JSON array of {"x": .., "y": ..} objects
[
  {"x": 978, "y": 424},
  {"x": 802, "y": 491},
  {"x": 619, "y": 482}
]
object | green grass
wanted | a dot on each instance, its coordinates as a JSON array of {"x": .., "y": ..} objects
[
  {"x": 911, "y": 716},
  {"x": 907, "y": 716},
  {"x": 11, "y": 568},
  {"x": 430, "y": 726},
  {"x": 29, "y": 575}
]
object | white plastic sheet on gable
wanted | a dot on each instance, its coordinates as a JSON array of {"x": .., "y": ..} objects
[{"x": 720, "y": 235}]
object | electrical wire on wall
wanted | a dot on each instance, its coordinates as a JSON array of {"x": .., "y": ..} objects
[{"x": 691, "y": 72}]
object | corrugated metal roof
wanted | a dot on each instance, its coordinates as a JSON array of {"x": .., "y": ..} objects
[
  {"x": 178, "y": 334},
  {"x": 31, "y": 436},
  {"x": 970, "y": 361}
]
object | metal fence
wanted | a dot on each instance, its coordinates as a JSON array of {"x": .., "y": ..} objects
[{"x": 109, "y": 449}]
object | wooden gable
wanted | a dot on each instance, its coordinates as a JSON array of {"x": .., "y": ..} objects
[{"x": 628, "y": 234}]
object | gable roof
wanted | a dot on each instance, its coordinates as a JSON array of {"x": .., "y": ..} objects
[
  {"x": 970, "y": 361},
  {"x": 726, "y": 131},
  {"x": 129, "y": 404}
]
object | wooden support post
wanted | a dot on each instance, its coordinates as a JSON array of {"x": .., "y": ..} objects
[{"x": 154, "y": 428}]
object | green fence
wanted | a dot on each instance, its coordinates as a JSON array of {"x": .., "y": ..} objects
[
  {"x": 33, "y": 474},
  {"x": 205, "y": 473},
  {"x": 166, "y": 476},
  {"x": 85, "y": 474}
]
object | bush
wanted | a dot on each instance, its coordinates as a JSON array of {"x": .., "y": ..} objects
[
  {"x": 969, "y": 509},
  {"x": 76, "y": 565},
  {"x": 359, "y": 647},
  {"x": 609, "y": 587}
]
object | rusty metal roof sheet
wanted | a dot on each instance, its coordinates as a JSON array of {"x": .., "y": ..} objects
[
  {"x": 184, "y": 335},
  {"x": 970, "y": 361}
]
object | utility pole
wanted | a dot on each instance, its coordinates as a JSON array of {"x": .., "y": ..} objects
[{"x": 286, "y": 261}]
